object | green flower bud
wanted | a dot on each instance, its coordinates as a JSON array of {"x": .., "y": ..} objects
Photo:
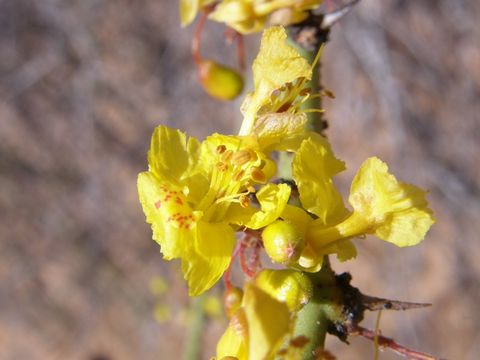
[
  {"x": 220, "y": 82},
  {"x": 282, "y": 242},
  {"x": 289, "y": 286}
]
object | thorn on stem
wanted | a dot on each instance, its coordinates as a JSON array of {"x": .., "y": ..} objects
[
  {"x": 332, "y": 18},
  {"x": 375, "y": 304}
]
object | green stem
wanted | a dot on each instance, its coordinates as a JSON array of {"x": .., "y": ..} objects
[
  {"x": 194, "y": 335},
  {"x": 312, "y": 321},
  {"x": 315, "y": 121}
]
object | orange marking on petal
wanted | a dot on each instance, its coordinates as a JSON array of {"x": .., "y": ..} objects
[{"x": 178, "y": 201}]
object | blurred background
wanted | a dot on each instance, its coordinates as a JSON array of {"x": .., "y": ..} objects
[{"x": 82, "y": 85}]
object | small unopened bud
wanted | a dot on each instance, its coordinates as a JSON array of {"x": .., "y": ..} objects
[
  {"x": 220, "y": 82},
  {"x": 282, "y": 242},
  {"x": 289, "y": 286}
]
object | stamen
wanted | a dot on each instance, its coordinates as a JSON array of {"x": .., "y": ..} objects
[
  {"x": 315, "y": 96},
  {"x": 317, "y": 57},
  {"x": 239, "y": 175},
  {"x": 226, "y": 156},
  {"x": 221, "y": 166},
  {"x": 251, "y": 189},
  {"x": 314, "y": 111}
]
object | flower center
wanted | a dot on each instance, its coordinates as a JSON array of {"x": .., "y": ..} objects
[
  {"x": 234, "y": 175},
  {"x": 289, "y": 97}
]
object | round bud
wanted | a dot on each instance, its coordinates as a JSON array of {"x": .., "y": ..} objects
[
  {"x": 289, "y": 286},
  {"x": 232, "y": 299},
  {"x": 220, "y": 82},
  {"x": 282, "y": 242}
]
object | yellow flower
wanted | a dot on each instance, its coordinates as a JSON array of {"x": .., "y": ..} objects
[
  {"x": 313, "y": 168},
  {"x": 195, "y": 195},
  {"x": 395, "y": 212},
  {"x": 280, "y": 75},
  {"x": 260, "y": 327},
  {"x": 257, "y": 329},
  {"x": 239, "y": 15},
  {"x": 248, "y": 16}
]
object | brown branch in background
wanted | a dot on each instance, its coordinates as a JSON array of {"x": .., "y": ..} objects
[{"x": 385, "y": 342}]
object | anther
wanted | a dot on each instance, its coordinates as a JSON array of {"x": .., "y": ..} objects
[
  {"x": 251, "y": 189},
  {"x": 241, "y": 157},
  {"x": 305, "y": 91},
  {"x": 284, "y": 107},
  {"x": 221, "y": 149},
  {"x": 244, "y": 201},
  {"x": 221, "y": 166},
  {"x": 328, "y": 93},
  {"x": 257, "y": 175}
]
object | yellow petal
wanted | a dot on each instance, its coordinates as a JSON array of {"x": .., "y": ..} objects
[
  {"x": 344, "y": 249},
  {"x": 396, "y": 212},
  {"x": 171, "y": 156},
  {"x": 239, "y": 15},
  {"x": 276, "y": 64},
  {"x": 190, "y": 8},
  {"x": 298, "y": 217},
  {"x": 272, "y": 130},
  {"x": 273, "y": 199},
  {"x": 188, "y": 11},
  {"x": 160, "y": 202},
  {"x": 268, "y": 322},
  {"x": 231, "y": 11},
  {"x": 310, "y": 260},
  {"x": 205, "y": 264},
  {"x": 314, "y": 166},
  {"x": 205, "y": 248},
  {"x": 232, "y": 344}
]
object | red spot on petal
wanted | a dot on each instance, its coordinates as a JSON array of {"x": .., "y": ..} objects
[
  {"x": 178, "y": 201},
  {"x": 158, "y": 204}
]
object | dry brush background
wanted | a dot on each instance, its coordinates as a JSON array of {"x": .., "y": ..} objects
[{"x": 82, "y": 85}]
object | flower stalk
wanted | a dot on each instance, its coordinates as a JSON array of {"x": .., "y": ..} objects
[{"x": 312, "y": 321}]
